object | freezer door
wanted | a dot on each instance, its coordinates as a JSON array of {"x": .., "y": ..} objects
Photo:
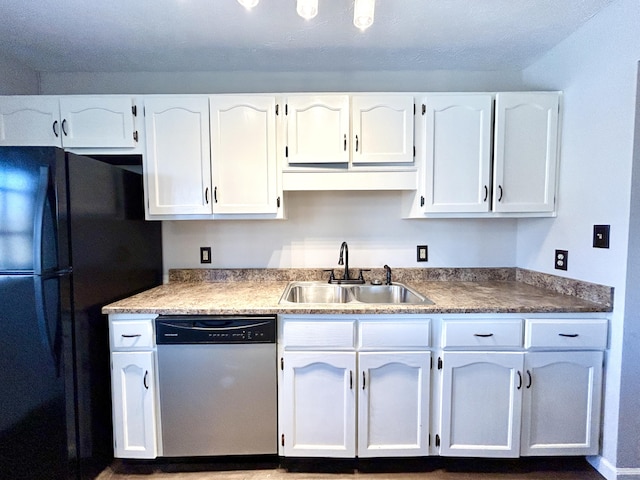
[
  {"x": 37, "y": 421},
  {"x": 29, "y": 210}
]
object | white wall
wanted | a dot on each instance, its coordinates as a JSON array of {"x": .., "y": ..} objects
[
  {"x": 597, "y": 70},
  {"x": 318, "y": 222},
  {"x": 16, "y": 78}
]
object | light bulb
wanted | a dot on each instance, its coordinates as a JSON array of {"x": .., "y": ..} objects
[
  {"x": 248, "y": 4},
  {"x": 307, "y": 9},
  {"x": 363, "y": 11}
]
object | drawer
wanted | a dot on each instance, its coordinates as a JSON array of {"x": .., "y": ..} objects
[
  {"x": 319, "y": 335},
  {"x": 482, "y": 333},
  {"x": 566, "y": 334},
  {"x": 399, "y": 334},
  {"x": 131, "y": 334}
]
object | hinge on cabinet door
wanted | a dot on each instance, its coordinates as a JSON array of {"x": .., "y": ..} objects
[
  {"x": 134, "y": 110},
  {"x": 439, "y": 363},
  {"x": 135, "y": 136},
  {"x": 278, "y": 202},
  {"x": 282, "y": 440},
  {"x": 286, "y": 152},
  {"x": 281, "y": 363},
  {"x": 424, "y": 109},
  {"x": 437, "y": 440}
]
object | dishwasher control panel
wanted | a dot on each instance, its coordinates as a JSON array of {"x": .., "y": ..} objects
[{"x": 195, "y": 329}]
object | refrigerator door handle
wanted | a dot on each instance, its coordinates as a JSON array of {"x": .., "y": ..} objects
[
  {"x": 42, "y": 317},
  {"x": 38, "y": 219}
]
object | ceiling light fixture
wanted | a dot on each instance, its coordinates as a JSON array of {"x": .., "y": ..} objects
[
  {"x": 363, "y": 11},
  {"x": 248, "y": 4},
  {"x": 307, "y": 9}
]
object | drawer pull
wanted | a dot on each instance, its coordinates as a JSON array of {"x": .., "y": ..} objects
[
  {"x": 131, "y": 335},
  {"x": 570, "y": 335},
  {"x": 483, "y": 335}
]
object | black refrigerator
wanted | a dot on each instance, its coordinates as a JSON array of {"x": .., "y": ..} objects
[{"x": 72, "y": 239}]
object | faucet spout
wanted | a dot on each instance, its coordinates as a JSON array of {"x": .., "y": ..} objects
[
  {"x": 344, "y": 259},
  {"x": 388, "y": 270}
]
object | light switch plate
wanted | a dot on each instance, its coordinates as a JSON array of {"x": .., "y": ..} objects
[
  {"x": 601, "y": 236},
  {"x": 205, "y": 254},
  {"x": 423, "y": 253}
]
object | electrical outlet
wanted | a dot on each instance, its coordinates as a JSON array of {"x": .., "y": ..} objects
[
  {"x": 601, "y": 236},
  {"x": 423, "y": 253},
  {"x": 205, "y": 254},
  {"x": 561, "y": 259}
]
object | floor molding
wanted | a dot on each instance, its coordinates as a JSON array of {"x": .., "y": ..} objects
[{"x": 610, "y": 472}]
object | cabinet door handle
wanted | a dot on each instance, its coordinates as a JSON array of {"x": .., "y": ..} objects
[
  {"x": 530, "y": 379},
  {"x": 483, "y": 335},
  {"x": 486, "y": 193},
  {"x": 131, "y": 335},
  {"x": 215, "y": 194},
  {"x": 357, "y": 143},
  {"x": 519, "y": 380},
  {"x": 364, "y": 380},
  {"x": 351, "y": 379},
  {"x": 500, "y": 194},
  {"x": 206, "y": 195},
  {"x": 64, "y": 127},
  {"x": 144, "y": 381},
  {"x": 55, "y": 128},
  {"x": 570, "y": 335},
  {"x": 345, "y": 142}
]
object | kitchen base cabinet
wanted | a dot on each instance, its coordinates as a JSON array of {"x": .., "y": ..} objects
[
  {"x": 481, "y": 404},
  {"x": 561, "y": 403},
  {"x": 319, "y": 403},
  {"x": 134, "y": 418},
  {"x": 393, "y": 404}
]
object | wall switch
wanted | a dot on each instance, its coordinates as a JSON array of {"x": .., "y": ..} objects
[
  {"x": 423, "y": 253},
  {"x": 205, "y": 254},
  {"x": 561, "y": 259},
  {"x": 601, "y": 236}
]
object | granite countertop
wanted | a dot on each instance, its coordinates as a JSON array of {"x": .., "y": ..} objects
[{"x": 258, "y": 291}]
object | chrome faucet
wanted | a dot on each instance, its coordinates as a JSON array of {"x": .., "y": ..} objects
[
  {"x": 344, "y": 249},
  {"x": 388, "y": 269}
]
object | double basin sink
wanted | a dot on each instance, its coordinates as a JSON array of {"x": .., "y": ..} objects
[{"x": 323, "y": 292}]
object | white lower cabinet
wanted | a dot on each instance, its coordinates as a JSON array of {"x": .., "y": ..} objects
[
  {"x": 561, "y": 403},
  {"x": 134, "y": 417},
  {"x": 319, "y": 402},
  {"x": 481, "y": 404},
  {"x": 393, "y": 403}
]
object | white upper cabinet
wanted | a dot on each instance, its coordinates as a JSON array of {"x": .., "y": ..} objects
[
  {"x": 382, "y": 129},
  {"x": 526, "y": 150},
  {"x": 243, "y": 154},
  {"x": 178, "y": 160},
  {"x": 104, "y": 121},
  {"x": 30, "y": 121},
  {"x": 317, "y": 129},
  {"x": 458, "y": 152},
  {"x": 82, "y": 121}
]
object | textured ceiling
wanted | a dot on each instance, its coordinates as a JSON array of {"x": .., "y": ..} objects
[{"x": 220, "y": 35}]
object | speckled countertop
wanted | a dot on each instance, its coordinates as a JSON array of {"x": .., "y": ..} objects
[{"x": 482, "y": 290}]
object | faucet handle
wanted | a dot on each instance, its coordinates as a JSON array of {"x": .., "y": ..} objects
[
  {"x": 361, "y": 277},
  {"x": 332, "y": 275}
]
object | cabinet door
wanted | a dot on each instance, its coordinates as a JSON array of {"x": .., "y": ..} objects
[
  {"x": 317, "y": 129},
  {"x": 382, "y": 129},
  {"x": 393, "y": 404},
  {"x": 178, "y": 158},
  {"x": 97, "y": 121},
  {"x": 30, "y": 120},
  {"x": 318, "y": 407},
  {"x": 133, "y": 386},
  {"x": 526, "y": 144},
  {"x": 481, "y": 404},
  {"x": 561, "y": 403},
  {"x": 458, "y": 153},
  {"x": 243, "y": 154}
]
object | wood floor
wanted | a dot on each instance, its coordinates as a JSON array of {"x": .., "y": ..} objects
[{"x": 397, "y": 469}]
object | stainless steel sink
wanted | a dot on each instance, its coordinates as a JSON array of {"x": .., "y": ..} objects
[{"x": 322, "y": 292}]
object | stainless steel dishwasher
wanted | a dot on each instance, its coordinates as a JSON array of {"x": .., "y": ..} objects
[{"x": 217, "y": 385}]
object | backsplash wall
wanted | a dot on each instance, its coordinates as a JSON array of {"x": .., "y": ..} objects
[{"x": 318, "y": 222}]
